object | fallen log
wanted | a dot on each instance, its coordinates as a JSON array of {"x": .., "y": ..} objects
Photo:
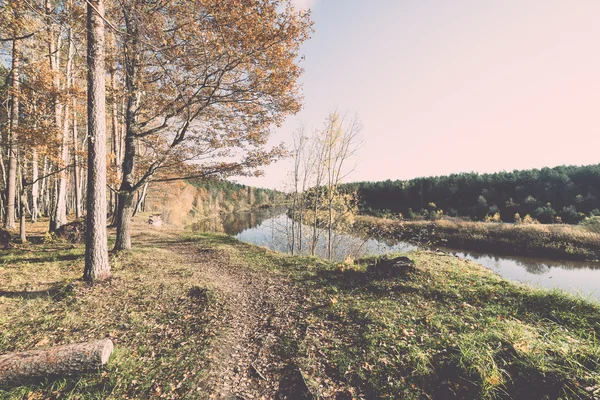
[{"x": 70, "y": 359}]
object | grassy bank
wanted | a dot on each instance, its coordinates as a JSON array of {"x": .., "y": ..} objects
[
  {"x": 445, "y": 328},
  {"x": 550, "y": 241}
]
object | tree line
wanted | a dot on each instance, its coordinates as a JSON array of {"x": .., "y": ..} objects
[
  {"x": 565, "y": 194},
  {"x": 101, "y": 98}
]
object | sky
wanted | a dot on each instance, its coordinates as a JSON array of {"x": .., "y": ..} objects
[{"x": 453, "y": 86}]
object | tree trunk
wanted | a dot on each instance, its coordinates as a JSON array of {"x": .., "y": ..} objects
[
  {"x": 96, "y": 247},
  {"x": 22, "y": 229},
  {"x": 28, "y": 366},
  {"x": 76, "y": 185},
  {"x": 55, "y": 210},
  {"x": 124, "y": 215},
  {"x": 35, "y": 191},
  {"x": 115, "y": 132},
  {"x": 11, "y": 189},
  {"x": 61, "y": 200},
  {"x": 44, "y": 188},
  {"x": 141, "y": 200},
  {"x": 127, "y": 189}
]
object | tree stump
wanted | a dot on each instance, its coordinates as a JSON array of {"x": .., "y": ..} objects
[
  {"x": 5, "y": 238},
  {"x": 393, "y": 267},
  {"x": 70, "y": 359}
]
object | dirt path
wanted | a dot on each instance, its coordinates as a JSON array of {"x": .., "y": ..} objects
[{"x": 260, "y": 311}]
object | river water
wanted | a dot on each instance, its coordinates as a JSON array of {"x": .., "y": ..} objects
[{"x": 271, "y": 228}]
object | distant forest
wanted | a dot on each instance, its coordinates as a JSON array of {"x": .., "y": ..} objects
[{"x": 561, "y": 194}]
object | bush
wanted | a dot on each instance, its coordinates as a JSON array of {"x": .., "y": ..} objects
[
  {"x": 528, "y": 220},
  {"x": 570, "y": 215},
  {"x": 545, "y": 214},
  {"x": 74, "y": 232},
  {"x": 5, "y": 238},
  {"x": 592, "y": 224}
]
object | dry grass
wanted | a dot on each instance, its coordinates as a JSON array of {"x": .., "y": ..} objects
[
  {"x": 551, "y": 241},
  {"x": 160, "y": 331}
]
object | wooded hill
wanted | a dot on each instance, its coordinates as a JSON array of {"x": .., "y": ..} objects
[{"x": 561, "y": 194}]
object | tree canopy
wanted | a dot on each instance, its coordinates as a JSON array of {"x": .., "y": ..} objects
[{"x": 567, "y": 192}]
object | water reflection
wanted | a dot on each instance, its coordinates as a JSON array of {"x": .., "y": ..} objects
[
  {"x": 234, "y": 223},
  {"x": 271, "y": 228}
]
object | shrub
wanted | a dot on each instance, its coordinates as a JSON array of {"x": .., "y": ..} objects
[
  {"x": 5, "y": 238},
  {"x": 74, "y": 231},
  {"x": 493, "y": 218},
  {"x": 592, "y": 224},
  {"x": 545, "y": 214},
  {"x": 528, "y": 220},
  {"x": 570, "y": 215}
]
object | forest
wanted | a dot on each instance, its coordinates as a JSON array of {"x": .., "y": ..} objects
[
  {"x": 564, "y": 194},
  {"x": 100, "y": 99}
]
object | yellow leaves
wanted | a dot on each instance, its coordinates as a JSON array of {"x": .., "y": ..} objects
[
  {"x": 494, "y": 379},
  {"x": 35, "y": 395},
  {"x": 347, "y": 264},
  {"x": 522, "y": 346}
]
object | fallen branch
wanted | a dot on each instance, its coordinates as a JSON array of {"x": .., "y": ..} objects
[{"x": 70, "y": 359}]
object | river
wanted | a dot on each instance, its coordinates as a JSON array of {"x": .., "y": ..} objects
[{"x": 270, "y": 228}]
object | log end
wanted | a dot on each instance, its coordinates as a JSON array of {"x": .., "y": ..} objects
[{"x": 106, "y": 351}]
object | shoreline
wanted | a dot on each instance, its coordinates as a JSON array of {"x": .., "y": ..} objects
[{"x": 560, "y": 242}]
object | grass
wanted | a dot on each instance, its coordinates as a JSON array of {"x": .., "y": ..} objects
[
  {"x": 551, "y": 241},
  {"x": 150, "y": 309},
  {"x": 447, "y": 328}
]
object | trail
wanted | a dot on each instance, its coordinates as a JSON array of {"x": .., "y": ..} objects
[{"x": 259, "y": 312}]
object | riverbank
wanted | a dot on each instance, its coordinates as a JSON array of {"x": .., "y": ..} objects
[
  {"x": 549, "y": 241},
  {"x": 195, "y": 315}
]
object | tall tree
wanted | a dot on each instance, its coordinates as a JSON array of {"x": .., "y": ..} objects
[
  {"x": 11, "y": 188},
  {"x": 203, "y": 87},
  {"x": 96, "y": 249}
]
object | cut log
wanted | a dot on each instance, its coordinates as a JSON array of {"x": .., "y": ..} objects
[{"x": 70, "y": 359}]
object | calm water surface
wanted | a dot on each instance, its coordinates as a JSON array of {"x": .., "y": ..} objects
[{"x": 270, "y": 228}]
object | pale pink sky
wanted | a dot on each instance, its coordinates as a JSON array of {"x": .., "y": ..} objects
[{"x": 454, "y": 86}]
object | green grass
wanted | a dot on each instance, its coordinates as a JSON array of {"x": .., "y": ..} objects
[
  {"x": 160, "y": 331},
  {"x": 447, "y": 328},
  {"x": 551, "y": 241}
]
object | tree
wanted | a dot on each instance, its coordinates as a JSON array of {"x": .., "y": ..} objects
[
  {"x": 96, "y": 249},
  {"x": 202, "y": 89},
  {"x": 320, "y": 166},
  {"x": 340, "y": 141},
  {"x": 15, "y": 24},
  {"x": 300, "y": 174},
  {"x": 11, "y": 188}
]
